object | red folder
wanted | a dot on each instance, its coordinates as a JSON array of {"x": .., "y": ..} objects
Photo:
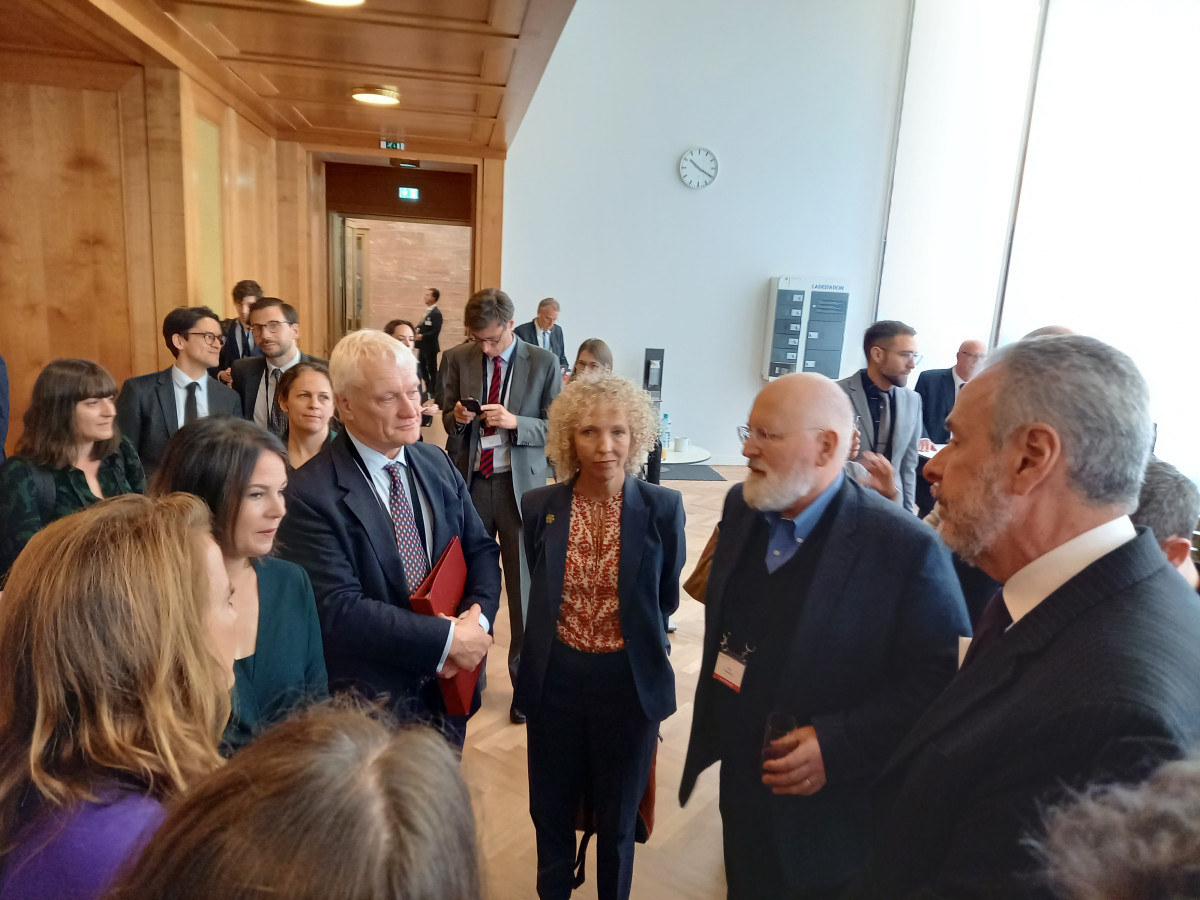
[{"x": 441, "y": 592}]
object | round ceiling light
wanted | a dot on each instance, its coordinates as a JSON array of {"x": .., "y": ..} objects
[{"x": 376, "y": 96}]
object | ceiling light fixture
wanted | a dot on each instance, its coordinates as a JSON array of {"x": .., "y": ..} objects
[{"x": 376, "y": 96}]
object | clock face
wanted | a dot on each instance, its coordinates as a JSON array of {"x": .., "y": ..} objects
[{"x": 698, "y": 167}]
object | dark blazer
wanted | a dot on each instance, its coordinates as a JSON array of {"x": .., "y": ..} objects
[
  {"x": 232, "y": 351},
  {"x": 147, "y": 414},
  {"x": 936, "y": 387},
  {"x": 906, "y": 434},
  {"x": 876, "y": 641},
  {"x": 337, "y": 529},
  {"x": 528, "y": 333},
  {"x": 248, "y": 375},
  {"x": 1098, "y": 682},
  {"x": 652, "y": 555},
  {"x": 535, "y": 382},
  {"x": 430, "y": 329}
]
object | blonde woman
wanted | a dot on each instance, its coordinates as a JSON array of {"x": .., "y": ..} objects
[
  {"x": 116, "y": 660},
  {"x": 605, "y": 551}
]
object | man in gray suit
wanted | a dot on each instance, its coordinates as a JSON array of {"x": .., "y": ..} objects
[
  {"x": 497, "y": 396},
  {"x": 890, "y": 419}
]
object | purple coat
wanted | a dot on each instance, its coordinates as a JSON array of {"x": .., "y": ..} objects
[{"x": 77, "y": 852}]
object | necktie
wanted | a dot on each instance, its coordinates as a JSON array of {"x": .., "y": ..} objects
[
  {"x": 545, "y": 340},
  {"x": 485, "y": 457},
  {"x": 883, "y": 442},
  {"x": 276, "y": 420},
  {"x": 191, "y": 412},
  {"x": 995, "y": 619},
  {"x": 246, "y": 351},
  {"x": 408, "y": 541}
]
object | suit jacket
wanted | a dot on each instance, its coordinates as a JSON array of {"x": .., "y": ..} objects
[
  {"x": 936, "y": 387},
  {"x": 248, "y": 375},
  {"x": 652, "y": 555},
  {"x": 232, "y": 351},
  {"x": 148, "y": 416},
  {"x": 1098, "y": 682},
  {"x": 430, "y": 329},
  {"x": 876, "y": 641},
  {"x": 528, "y": 333},
  {"x": 536, "y": 381},
  {"x": 337, "y": 529},
  {"x": 906, "y": 414}
]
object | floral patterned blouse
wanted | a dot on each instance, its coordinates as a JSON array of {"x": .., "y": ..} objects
[{"x": 589, "y": 618}]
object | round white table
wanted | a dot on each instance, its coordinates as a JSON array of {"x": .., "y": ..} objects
[{"x": 692, "y": 454}]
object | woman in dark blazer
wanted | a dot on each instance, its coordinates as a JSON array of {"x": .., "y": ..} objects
[
  {"x": 239, "y": 469},
  {"x": 605, "y": 551}
]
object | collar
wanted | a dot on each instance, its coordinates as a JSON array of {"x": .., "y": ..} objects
[
  {"x": 807, "y": 520},
  {"x": 958, "y": 381},
  {"x": 283, "y": 367},
  {"x": 373, "y": 459},
  {"x": 1050, "y": 571},
  {"x": 507, "y": 354},
  {"x": 182, "y": 379},
  {"x": 871, "y": 387}
]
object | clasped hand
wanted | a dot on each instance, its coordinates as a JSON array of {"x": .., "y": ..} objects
[
  {"x": 469, "y": 644},
  {"x": 801, "y": 770}
]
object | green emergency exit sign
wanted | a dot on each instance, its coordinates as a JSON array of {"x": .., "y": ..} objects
[
  {"x": 407, "y": 193},
  {"x": 391, "y": 145}
]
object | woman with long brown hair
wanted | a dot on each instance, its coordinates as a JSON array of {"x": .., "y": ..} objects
[
  {"x": 70, "y": 455},
  {"x": 116, "y": 659}
]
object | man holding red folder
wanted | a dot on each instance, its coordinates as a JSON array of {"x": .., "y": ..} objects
[{"x": 368, "y": 518}]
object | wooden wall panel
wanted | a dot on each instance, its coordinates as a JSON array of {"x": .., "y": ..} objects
[
  {"x": 446, "y": 197},
  {"x": 489, "y": 185}
]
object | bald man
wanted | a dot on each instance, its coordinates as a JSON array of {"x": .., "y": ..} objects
[
  {"x": 833, "y": 607},
  {"x": 939, "y": 388}
]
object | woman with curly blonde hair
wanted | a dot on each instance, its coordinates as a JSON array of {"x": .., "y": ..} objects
[
  {"x": 116, "y": 659},
  {"x": 605, "y": 551}
]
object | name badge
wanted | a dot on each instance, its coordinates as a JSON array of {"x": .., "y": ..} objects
[
  {"x": 729, "y": 671},
  {"x": 491, "y": 441}
]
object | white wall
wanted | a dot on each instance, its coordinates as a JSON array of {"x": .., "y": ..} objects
[{"x": 798, "y": 100}]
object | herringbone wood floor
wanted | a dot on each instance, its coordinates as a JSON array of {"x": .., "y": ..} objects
[{"x": 683, "y": 858}]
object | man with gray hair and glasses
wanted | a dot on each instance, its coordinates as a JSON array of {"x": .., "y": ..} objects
[{"x": 1085, "y": 668}]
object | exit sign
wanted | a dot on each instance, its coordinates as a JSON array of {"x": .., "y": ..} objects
[
  {"x": 391, "y": 145},
  {"x": 410, "y": 193}
]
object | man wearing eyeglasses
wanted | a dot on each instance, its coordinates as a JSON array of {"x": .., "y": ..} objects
[
  {"x": 151, "y": 408},
  {"x": 889, "y": 418},
  {"x": 497, "y": 393},
  {"x": 939, "y": 388},
  {"x": 832, "y": 618},
  {"x": 275, "y": 327}
]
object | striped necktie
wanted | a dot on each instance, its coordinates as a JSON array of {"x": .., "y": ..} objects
[{"x": 486, "y": 457}]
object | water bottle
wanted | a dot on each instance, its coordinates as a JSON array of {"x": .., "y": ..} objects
[{"x": 664, "y": 434}]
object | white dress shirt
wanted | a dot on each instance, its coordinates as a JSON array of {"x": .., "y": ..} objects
[
  {"x": 381, "y": 481},
  {"x": 958, "y": 382},
  {"x": 1046, "y": 574},
  {"x": 500, "y": 455},
  {"x": 543, "y": 337},
  {"x": 180, "y": 380},
  {"x": 262, "y": 403}
]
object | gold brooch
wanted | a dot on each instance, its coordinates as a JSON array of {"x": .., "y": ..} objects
[{"x": 550, "y": 519}]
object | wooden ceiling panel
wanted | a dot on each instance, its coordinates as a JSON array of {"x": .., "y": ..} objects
[
  {"x": 392, "y": 124},
  {"x": 26, "y": 27}
]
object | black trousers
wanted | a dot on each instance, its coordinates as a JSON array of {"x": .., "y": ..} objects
[
  {"x": 588, "y": 734},
  {"x": 427, "y": 370},
  {"x": 496, "y": 503}
]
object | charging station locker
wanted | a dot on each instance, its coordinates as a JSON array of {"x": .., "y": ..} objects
[{"x": 805, "y": 326}]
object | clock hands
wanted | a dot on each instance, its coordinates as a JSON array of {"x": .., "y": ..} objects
[{"x": 700, "y": 170}]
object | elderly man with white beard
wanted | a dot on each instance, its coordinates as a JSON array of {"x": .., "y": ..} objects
[{"x": 832, "y": 621}]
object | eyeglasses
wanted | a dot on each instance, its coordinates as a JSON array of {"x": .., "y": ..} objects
[
  {"x": 975, "y": 357},
  {"x": 213, "y": 340},
  {"x": 491, "y": 342},
  {"x": 909, "y": 356},
  {"x": 269, "y": 327},
  {"x": 745, "y": 432}
]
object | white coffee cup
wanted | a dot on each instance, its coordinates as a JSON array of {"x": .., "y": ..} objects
[{"x": 682, "y": 445}]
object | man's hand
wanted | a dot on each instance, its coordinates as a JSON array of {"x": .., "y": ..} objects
[
  {"x": 226, "y": 376},
  {"x": 430, "y": 408},
  {"x": 801, "y": 771},
  {"x": 470, "y": 642},
  {"x": 925, "y": 445},
  {"x": 855, "y": 443},
  {"x": 495, "y": 415},
  {"x": 462, "y": 415},
  {"x": 883, "y": 476}
]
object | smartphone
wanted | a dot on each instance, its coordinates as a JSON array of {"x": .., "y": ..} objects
[{"x": 472, "y": 405}]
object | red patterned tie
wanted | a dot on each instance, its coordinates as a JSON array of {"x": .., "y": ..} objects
[
  {"x": 485, "y": 458},
  {"x": 412, "y": 551}
]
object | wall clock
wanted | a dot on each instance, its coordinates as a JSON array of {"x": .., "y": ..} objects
[{"x": 698, "y": 167}]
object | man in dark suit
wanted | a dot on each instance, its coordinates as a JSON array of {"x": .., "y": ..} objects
[
  {"x": 833, "y": 606},
  {"x": 889, "y": 417},
  {"x": 151, "y": 408},
  {"x": 502, "y": 449},
  {"x": 939, "y": 388},
  {"x": 275, "y": 326},
  {"x": 1084, "y": 669},
  {"x": 428, "y": 341},
  {"x": 367, "y": 518},
  {"x": 239, "y": 341},
  {"x": 544, "y": 332}
]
